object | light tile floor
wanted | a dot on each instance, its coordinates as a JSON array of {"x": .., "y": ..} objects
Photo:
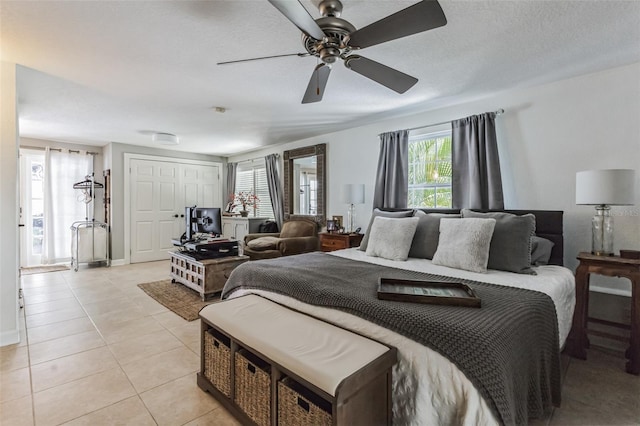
[{"x": 96, "y": 350}]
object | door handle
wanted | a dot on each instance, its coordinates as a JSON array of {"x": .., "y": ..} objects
[
  {"x": 20, "y": 225},
  {"x": 175, "y": 215},
  {"x": 181, "y": 215}
]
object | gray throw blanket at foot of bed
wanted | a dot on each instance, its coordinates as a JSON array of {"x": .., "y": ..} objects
[{"x": 508, "y": 348}]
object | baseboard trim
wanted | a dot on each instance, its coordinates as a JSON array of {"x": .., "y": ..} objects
[
  {"x": 119, "y": 262},
  {"x": 10, "y": 337}
]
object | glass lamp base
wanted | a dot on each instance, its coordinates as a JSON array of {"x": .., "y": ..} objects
[
  {"x": 602, "y": 232},
  {"x": 351, "y": 218}
]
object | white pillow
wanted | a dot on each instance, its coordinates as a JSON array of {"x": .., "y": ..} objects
[
  {"x": 391, "y": 238},
  {"x": 464, "y": 243}
]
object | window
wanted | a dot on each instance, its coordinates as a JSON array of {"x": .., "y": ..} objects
[
  {"x": 252, "y": 178},
  {"x": 430, "y": 170}
]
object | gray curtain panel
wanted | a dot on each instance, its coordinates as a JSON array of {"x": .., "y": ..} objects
[
  {"x": 275, "y": 188},
  {"x": 231, "y": 180},
  {"x": 392, "y": 179},
  {"x": 476, "y": 180}
]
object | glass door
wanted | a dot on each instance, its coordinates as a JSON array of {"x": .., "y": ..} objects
[{"x": 31, "y": 206}]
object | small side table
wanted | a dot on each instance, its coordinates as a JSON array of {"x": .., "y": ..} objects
[
  {"x": 331, "y": 242},
  {"x": 611, "y": 266}
]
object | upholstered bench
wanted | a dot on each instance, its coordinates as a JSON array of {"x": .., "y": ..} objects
[{"x": 272, "y": 365}]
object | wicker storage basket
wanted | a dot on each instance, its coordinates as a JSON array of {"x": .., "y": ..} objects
[
  {"x": 217, "y": 361},
  {"x": 300, "y": 406},
  {"x": 253, "y": 387}
]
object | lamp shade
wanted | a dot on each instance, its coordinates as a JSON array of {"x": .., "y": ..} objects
[
  {"x": 611, "y": 187},
  {"x": 353, "y": 193}
]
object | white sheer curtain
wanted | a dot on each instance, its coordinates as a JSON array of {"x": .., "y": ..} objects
[{"x": 63, "y": 205}]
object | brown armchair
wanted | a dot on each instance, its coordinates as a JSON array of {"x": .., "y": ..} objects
[{"x": 297, "y": 236}]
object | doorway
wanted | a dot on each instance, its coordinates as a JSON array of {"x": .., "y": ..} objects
[{"x": 31, "y": 207}]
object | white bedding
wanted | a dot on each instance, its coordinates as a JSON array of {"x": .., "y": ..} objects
[{"x": 427, "y": 388}]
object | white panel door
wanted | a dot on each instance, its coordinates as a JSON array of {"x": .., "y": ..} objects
[
  {"x": 160, "y": 190},
  {"x": 201, "y": 185},
  {"x": 155, "y": 203}
]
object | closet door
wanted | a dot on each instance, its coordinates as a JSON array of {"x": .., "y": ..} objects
[
  {"x": 159, "y": 193},
  {"x": 200, "y": 185},
  {"x": 155, "y": 202}
]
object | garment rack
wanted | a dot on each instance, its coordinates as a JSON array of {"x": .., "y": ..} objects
[{"x": 89, "y": 237}]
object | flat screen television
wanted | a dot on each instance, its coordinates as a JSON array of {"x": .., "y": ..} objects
[{"x": 203, "y": 220}]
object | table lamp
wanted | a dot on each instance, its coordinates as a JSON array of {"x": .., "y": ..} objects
[
  {"x": 353, "y": 194},
  {"x": 604, "y": 188}
]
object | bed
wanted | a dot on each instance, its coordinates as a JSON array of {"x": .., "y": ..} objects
[{"x": 430, "y": 385}]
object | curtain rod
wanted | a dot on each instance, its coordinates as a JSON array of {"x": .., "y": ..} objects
[
  {"x": 41, "y": 148},
  {"x": 497, "y": 112},
  {"x": 251, "y": 160}
]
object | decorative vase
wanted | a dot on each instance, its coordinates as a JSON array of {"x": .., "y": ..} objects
[{"x": 244, "y": 213}]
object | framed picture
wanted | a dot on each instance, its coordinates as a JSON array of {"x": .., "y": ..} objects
[
  {"x": 338, "y": 221},
  {"x": 332, "y": 226}
]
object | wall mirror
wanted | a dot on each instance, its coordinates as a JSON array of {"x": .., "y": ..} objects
[{"x": 305, "y": 183}]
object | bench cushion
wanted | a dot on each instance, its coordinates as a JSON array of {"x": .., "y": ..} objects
[{"x": 316, "y": 351}]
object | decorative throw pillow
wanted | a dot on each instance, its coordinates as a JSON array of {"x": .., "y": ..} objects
[
  {"x": 425, "y": 241},
  {"x": 376, "y": 213},
  {"x": 263, "y": 243},
  {"x": 540, "y": 250},
  {"x": 391, "y": 238},
  {"x": 464, "y": 243},
  {"x": 511, "y": 243}
]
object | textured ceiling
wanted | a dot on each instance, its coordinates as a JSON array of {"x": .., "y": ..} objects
[{"x": 95, "y": 72}]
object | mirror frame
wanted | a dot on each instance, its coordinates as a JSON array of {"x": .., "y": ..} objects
[{"x": 320, "y": 151}]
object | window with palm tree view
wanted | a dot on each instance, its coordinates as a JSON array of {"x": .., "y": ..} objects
[{"x": 430, "y": 170}]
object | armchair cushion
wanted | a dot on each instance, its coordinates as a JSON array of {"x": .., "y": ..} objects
[
  {"x": 250, "y": 237},
  {"x": 263, "y": 243}
]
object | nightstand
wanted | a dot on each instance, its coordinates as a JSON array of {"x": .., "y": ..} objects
[
  {"x": 611, "y": 266},
  {"x": 331, "y": 242}
]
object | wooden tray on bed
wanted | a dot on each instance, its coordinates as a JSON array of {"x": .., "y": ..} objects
[{"x": 433, "y": 292}]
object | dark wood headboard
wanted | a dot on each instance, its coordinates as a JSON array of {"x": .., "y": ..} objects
[{"x": 548, "y": 225}]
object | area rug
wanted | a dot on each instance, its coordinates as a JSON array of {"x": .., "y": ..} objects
[
  {"x": 29, "y": 270},
  {"x": 180, "y": 299}
]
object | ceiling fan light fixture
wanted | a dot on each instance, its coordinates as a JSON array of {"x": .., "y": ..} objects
[{"x": 165, "y": 139}]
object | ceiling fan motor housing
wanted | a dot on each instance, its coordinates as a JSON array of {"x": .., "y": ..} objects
[{"x": 334, "y": 44}]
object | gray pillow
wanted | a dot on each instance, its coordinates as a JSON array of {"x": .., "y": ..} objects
[
  {"x": 511, "y": 243},
  {"x": 391, "y": 238},
  {"x": 376, "y": 213},
  {"x": 464, "y": 243},
  {"x": 540, "y": 250},
  {"x": 425, "y": 242}
]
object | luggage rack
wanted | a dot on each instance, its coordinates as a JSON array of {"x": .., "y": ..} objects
[{"x": 89, "y": 243}]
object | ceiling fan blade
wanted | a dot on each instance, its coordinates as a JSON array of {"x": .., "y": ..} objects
[
  {"x": 420, "y": 17},
  {"x": 294, "y": 11},
  {"x": 301, "y": 55},
  {"x": 317, "y": 83},
  {"x": 388, "y": 77}
]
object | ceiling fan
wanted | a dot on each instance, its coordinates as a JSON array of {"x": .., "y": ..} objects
[{"x": 330, "y": 38}]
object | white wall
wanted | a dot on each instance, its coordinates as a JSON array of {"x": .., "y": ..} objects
[
  {"x": 9, "y": 323},
  {"x": 546, "y": 135}
]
